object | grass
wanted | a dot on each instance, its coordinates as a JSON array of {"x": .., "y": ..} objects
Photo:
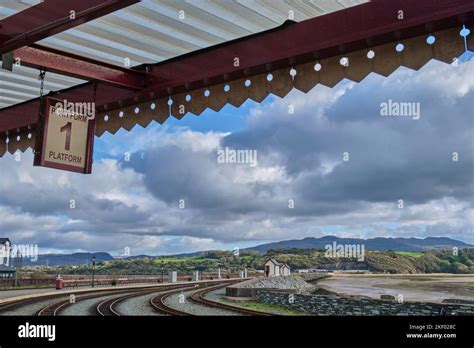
[
  {"x": 175, "y": 260},
  {"x": 264, "y": 307},
  {"x": 410, "y": 253}
]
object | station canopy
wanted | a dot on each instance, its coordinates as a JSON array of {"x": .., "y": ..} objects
[{"x": 145, "y": 61}]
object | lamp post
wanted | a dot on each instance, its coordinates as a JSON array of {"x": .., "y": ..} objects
[
  {"x": 93, "y": 270},
  {"x": 17, "y": 264},
  {"x": 162, "y": 271}
]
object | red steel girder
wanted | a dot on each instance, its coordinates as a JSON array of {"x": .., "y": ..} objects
[
  {"x": 373, "y": 23},
  {"x": 51, "y": 17},
  {"x": 64, "y": 63},
  {"x": 370, "y": 24}
]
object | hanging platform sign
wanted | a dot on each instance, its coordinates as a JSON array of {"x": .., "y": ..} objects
[{"x": 65, "y": 136}]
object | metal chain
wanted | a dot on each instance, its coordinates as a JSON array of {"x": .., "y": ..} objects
[
  {"x": 41, "y": 114},
  {"x": 95, "y": 99},
  {"x": 41, "y": 78}
]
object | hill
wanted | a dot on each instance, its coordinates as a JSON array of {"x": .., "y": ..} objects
[
  {"x": 374, "y": 244},
  {"x": 432, "y": 261}
]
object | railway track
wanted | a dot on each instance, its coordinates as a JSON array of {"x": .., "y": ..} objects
[
  {"x": 103, "y": 307},
  {"x": 51, "y": 309},
  {"x": 107, "y": 306},
  {"x": 55, "y": 308},
  {"x": 199, "y": 297},
  {"x": 20, "y": 303},
  {"x": 158, "y": 302}
]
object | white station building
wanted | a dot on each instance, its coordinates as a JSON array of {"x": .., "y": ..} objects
[
  {"x": 273, "y": 268},
  {"x": 6, "y": 271}
]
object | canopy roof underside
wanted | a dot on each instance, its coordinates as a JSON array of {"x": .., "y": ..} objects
[{"x": 153, "y": 31}]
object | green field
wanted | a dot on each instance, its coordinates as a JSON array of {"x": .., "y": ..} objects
[
  {"x": 410, "y": 253},
  {"x": 432, "y": 261}
]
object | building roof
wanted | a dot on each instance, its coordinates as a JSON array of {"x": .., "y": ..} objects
[
  {"x": 6, "y": 269},
  {"x": 4, "y": 240},
  {"x": 275, "y": 262},
  {"x": 151, "y": 31}
]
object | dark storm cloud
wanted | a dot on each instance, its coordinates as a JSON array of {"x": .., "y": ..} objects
[
  {"x": 389, "y": 157},
  {"x": 172, "y": 174}
]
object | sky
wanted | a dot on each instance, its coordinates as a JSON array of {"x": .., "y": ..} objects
[{"x": 161, "y": 190}]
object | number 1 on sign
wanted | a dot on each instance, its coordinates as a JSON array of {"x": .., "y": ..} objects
[{"x": 67, "y": 128}]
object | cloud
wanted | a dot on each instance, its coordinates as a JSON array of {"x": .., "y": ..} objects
[{"x": 174, "y": 196}]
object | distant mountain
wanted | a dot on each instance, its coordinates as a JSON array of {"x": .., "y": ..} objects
[
  {"x": 67, "y": 259},
  {"x": 379, "y": 243}
]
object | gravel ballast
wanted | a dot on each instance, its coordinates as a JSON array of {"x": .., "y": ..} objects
[
  {"x": 31, "y": 308},
  {"x": 139, "y": 305},
  {"x": 86, "y": 307},
  {"x": 194, "y": 308}
]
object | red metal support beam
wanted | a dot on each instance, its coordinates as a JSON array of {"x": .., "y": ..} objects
[
  {"x": 51, "y": 17},
  {"x": 364, "y": 26},
  {"x": 64, "y": 63}
]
